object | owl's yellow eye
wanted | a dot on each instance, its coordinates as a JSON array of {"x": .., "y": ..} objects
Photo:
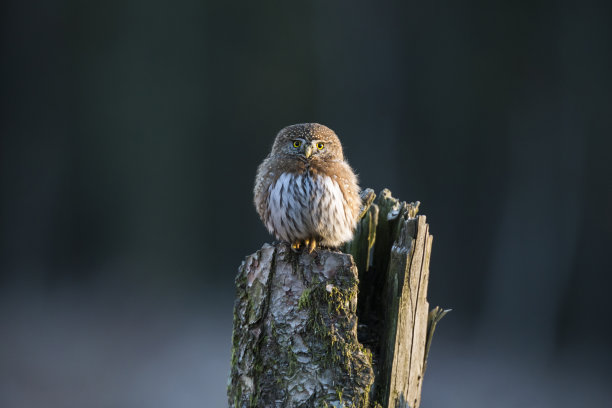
[
  {"x": 320, "y": 146},
  {"x": 297, "y": 143}
]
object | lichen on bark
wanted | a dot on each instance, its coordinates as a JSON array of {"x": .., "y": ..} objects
[
  {"x": 297, "y": 341},
  {"x": 295, "y": 332}
]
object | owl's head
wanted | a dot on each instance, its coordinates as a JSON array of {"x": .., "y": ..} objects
[{"x": 308, "y": 141}]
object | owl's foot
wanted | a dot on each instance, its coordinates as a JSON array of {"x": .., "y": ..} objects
[
  {"x": 311, "y": 244},
  {"x": 296, "y": 246}
]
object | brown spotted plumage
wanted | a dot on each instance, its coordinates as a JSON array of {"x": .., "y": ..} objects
[{"x": 305, "y": 192}]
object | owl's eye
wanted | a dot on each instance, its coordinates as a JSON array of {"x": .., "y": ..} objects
[
  {"x": 297, "y": 143},
  {"x": 320, "y": 146}
]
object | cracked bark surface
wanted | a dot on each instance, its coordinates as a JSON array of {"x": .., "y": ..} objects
[{"x": 307, "y": 333}]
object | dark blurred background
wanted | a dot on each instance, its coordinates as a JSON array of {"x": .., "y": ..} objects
[{"x": 131, "y": 131}]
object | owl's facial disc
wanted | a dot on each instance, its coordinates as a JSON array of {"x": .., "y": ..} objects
[
  {"x": 298, "y": 145},
  {"x": 307, "y": 148}
]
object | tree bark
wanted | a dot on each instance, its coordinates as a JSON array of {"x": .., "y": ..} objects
[{"x": 296, "y": 339}]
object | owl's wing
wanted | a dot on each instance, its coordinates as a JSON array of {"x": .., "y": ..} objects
[
  {"x": 347, "y": 180},
  {"x": 261, "y": 192}
]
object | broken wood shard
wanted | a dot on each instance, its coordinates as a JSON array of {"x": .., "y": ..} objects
[{"x": 337, "y": 329}]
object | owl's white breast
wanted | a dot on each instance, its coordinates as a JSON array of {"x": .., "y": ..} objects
[{"x": 305, "y": 206}]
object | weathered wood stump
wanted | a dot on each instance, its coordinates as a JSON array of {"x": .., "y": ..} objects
[{"x": 297, "y": 341}]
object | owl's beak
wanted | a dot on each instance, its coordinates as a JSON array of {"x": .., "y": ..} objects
[{"x": 308, "y": 151}]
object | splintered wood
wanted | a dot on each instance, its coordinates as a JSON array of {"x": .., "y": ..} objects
[
  {"x": 405, "y": 353},
  {"x": 333, "y": 329}
]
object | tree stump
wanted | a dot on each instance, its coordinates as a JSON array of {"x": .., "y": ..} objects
[{"x": 334, "y": 329}]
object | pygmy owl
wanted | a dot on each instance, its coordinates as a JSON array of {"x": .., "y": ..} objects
[{"x": 305, "y": 192}]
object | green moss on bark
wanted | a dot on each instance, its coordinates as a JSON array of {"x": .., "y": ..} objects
[{"x": 295, "y": 337}]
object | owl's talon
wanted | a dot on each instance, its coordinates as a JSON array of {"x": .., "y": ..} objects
[
  {"x": 296, "y": 246},
  {"x": 311, "y": 244}
]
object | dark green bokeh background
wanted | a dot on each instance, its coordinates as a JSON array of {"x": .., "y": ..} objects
[{"x": 131, "y": 131}]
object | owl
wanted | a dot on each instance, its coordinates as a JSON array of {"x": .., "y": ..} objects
[{"x": 305, "y": 192}]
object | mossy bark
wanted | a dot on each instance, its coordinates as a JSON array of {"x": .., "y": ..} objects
[
  {"x": 295, "y": 332},
  {"x": 297, "y": 341}
]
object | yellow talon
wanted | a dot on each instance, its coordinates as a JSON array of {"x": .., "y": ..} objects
[{"x": 311, "y": 244}]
